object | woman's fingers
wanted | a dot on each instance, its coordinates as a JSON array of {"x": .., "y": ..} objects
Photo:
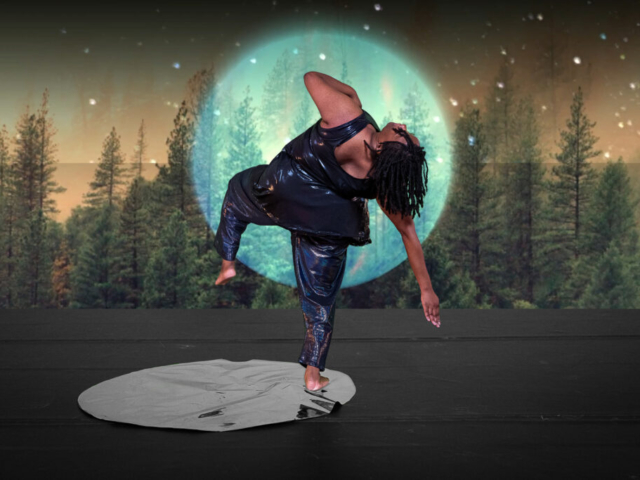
[
  {"x": 434, "y": 316},
  {"x": 435, "y": 319}
]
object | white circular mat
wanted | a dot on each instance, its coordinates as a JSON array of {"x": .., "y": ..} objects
[{"x": 215, "y": 395}]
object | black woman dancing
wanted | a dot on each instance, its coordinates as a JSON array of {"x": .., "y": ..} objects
[{"x": 317, "y": 188}]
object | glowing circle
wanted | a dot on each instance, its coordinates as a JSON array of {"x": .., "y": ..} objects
[{"x": 261, "y": 103}]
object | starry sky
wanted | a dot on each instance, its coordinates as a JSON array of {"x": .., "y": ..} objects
[{"x": 149, "y": 50}]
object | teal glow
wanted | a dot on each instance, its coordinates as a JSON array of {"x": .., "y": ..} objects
[{"x": 389, "y": 88}]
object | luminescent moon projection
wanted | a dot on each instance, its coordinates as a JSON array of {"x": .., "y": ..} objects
[{"x": 261, "y": 104}]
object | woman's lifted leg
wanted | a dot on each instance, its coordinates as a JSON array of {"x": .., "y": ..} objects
[
  {"x": 237, "y": 212},
  {"x": 227, "y": 272}
]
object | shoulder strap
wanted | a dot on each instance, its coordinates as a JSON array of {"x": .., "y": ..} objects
[
  {"x": 338, "y": 135},
  {"x": 371, "y": 121}
]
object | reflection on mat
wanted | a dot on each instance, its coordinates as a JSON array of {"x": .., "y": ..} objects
[{"x": 216, "y": 395}]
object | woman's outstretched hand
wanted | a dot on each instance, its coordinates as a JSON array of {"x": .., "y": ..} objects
[{"x": 431, "y": 306}]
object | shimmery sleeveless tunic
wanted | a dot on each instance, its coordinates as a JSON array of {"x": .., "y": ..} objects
[{"x": 305, "y": 189}]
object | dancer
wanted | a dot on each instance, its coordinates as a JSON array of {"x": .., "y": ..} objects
[{"x": 317, "y": 188}]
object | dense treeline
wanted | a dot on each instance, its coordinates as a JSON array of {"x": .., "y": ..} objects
[{"x": 512, "y": 235}]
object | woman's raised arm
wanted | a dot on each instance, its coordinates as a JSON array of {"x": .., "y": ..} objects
[{"x": 337, "y": 102}]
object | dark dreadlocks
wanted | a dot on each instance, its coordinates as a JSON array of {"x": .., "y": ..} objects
[{"x": 400, "y": 173}]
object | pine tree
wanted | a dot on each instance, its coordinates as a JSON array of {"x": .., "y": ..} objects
[
  {"x": 468, "y": 221},
  {"x": 25, "y": 164},
  {"x": 95, "y": 277},
  {"x": 8, "y": 220},
  {"x": 565, "y": 276},
  {"x": 109, "y": 175},
  {"x": 169, "y": 275},
  {"x": 278, "y": 100},
  {"x": 571, "y": 191},
  {"x": 414, "y": 114},
  {"x": 46, "y": 162},
  {"x": 226, "y": 106},
  {"x": 134, "y": 231},
  {"x": 610, "y": 217},
  {"x": 244, "y": 146},
  {"x": 31, "y": 185},
  {"x": 140, "y": 154},
  {"x": 203, "y": 103},
  {"x": 523, "y": 202},
  {"x": 176, "y": 177}
]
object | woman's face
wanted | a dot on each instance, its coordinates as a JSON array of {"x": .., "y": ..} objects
[{"x": 387, "y": 134}]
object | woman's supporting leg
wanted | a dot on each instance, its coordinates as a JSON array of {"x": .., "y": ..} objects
[{"x": 319, "y": 264}]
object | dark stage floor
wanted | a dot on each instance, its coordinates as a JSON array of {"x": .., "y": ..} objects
[{"x": 493, "y": 394}]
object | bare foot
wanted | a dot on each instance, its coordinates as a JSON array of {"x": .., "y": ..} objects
[
  {"x": 227, "y": 272},
  {"x": 313, "y": 380}
]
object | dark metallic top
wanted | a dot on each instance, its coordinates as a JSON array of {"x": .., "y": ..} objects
[{"x": 305, "y": 189}]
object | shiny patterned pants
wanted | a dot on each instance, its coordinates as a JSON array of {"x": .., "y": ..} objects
[{"x": 319, "y": 263}]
